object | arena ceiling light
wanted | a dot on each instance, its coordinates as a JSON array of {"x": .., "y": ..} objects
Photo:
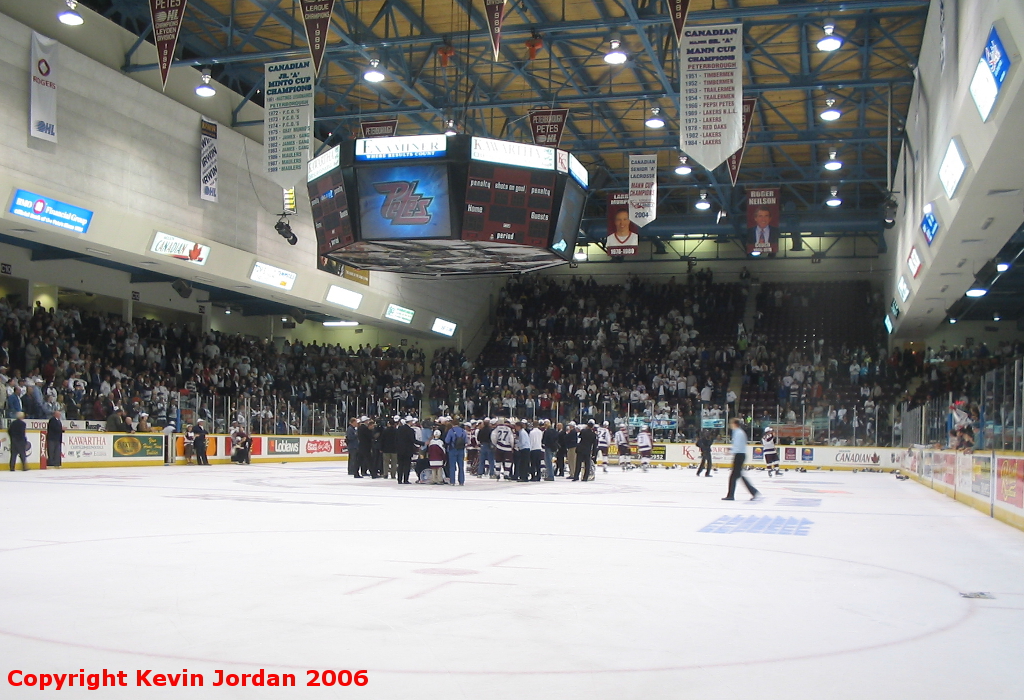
[
  {"x": 997, "y": 317},
  {"x": 952, "y": 321},
  {"x": 70, "y": 16},
  {"x": 655, "y": 121},
  {"x": 977, "y": 292},
  {"x": 615, "y": 55},
  {"x": 449, "y": 128},
  {"x": 830, "y": 113},
  {"x": 340, "y": 324},
  {"x": 580, "y": 255},
  {"x": 683, "y": 168},
  {"x": 834, "y": 200},
  {"x": 374, "y": 74},
  {"x": 833, "y": 163},
  {"x": 830, "y": 42},
  {"x": 1002, "y": 266},
  {"x": 703, "y": 204},
  {"x": 204, "y": 89}
]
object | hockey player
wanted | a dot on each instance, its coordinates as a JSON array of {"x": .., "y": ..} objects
[
  {"x": 504, "y": 440},
  {"x": 604, "y": 439},
  {"x": 644, "y": 446},
  {"x": 771, "y": 452},
  {"x": 622, "y": 447}
]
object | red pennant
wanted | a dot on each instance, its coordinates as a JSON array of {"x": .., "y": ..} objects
[
  {"x": 166, "y": 16},
  {"x": 736, "y": 158},
  {"x": 495, "y": 12},
  {"x": 547, "y": 126},
  {"x": 678, "y": 10},
  {"x": 316, "y": 15},
  {"x": 379, "y": 129}
]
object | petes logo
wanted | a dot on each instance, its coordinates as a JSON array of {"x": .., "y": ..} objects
[
  {"x": 402, "y": 205},
  {"x": 319, "y": 447}
]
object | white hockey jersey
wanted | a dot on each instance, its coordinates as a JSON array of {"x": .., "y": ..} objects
[
  {"x": 604, "y": 437},
  {"x": 644, "y": 442},
  {"x": 503, "y": 438}
]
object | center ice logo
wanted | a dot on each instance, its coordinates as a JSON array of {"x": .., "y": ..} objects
[{"x": 402, "y": 205}]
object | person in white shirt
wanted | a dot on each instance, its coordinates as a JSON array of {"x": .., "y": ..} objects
[
  {"x": 622, "y": 447},
  {"x": 644, "y": 446},
  {"x": 604, "y": 439},
  {"x": 739, "y": 454},
  {"x": 536, "y": 451}
]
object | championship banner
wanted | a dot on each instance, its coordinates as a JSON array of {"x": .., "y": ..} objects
[
  {"x": 711, "y": 87},
  {"x": 678, "y": 9},
  {"x": 208, "y": 159},
  {"x": 494, "y": 10},
  {"x": 166, "y": 16},
  {"x": 316, "y": 16},
  {"x": 547, "y": 126},
  {"x": 736, "y": 159},
  {"x": 643, "y": 189},
  {"x": 288, "y": 119},
  {"x": 763, "y": 221},
  {"x": 623, "y": 236},
  {"x": 42, "y": 109},
  {"x": 379, "y": 129}
]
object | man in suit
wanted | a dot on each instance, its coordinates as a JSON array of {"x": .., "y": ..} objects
[
  {"x": 364, "y": 436},
  {"x": 19, "y": 443},
  {"x": 200, "y": 443},
  {"x": 406, "y": 445},
  {"x": 763, "y": 233},
  {"x": 54, "y": 440},
  {"x": 585, "y": 449}
]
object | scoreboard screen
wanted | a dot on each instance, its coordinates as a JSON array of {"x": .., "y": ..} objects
[
  {"x": 404, "y": 201},
  {"x": 330, "y": 212},
  {"x": 570, "y": 214},
  {"x": 507, "y": 204}
]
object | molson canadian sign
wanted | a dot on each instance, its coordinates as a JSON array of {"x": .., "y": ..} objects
[
  {"x": 868, "y": 458},
  {"x": 180, "y": 248}
]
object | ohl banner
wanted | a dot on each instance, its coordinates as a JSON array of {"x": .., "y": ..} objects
[
  {"x": 208, "y": 160},
  {"x": 763, "y": 221},
  {"x": 547, "y": 126},
  {"x": 288, "y": 119},
  {"x": 316, "y": 15},
  {"x": 712, "y": 93},
  {"x": 736, "y": 159},
  {"x": 166, "y": 16},
  {"x": 643, "y": 189},
  {"x": 42, "y": 110},
  {"x": 623, "y": 235},
  {"x": 494, "y": 10},
  {"x": 678, "y": 10}
]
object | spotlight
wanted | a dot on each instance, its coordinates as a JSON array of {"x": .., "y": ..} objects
[
  {"x": 952, "y": 321},
  {"x": 997, "y": 317},
  {"x": 227, "y": 311},
  {"x": 580, "y": 255},
  {"x": 183, "y": 288},
  {"x": 976, "y": 292},
  {"x": 830, "y": 113},
  {"x": 829, "y": 42},
  {"x": 449, "y": 127},
  {"x": 722, "y": 215},
  {"x": 703, "y": 204},
  {"x": 755, "y": 253},
  {"x": 374, "y": 74},
  {"x": 834, "y": 200},
  {"x": 655, "y": 121},
  {"x": 284, "y": 230},
  {"x": 889, "y": 210},
  {"x": 615, "y": 56},
  {"x": 69, "y": 16},
  {"x": 1002, "y": 267},
  {"x": 832, "y": 163},
  {"x": 683, "y": 168},
  {"x": 204, "y": 89}
]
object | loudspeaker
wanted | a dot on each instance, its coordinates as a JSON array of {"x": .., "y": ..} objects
[
  {"x": 183, "y": 288},
  {"x": 297, "y": 315}
]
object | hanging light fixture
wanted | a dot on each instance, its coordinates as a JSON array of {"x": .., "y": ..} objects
[
  {"x": 830, "y": 113},
  {"x": 70, "y": 16},
  {"x": 449, "y": 127},
  {"x": 374, "y": 74},
  {"x": 703, "y": 204},
  {"x": 834, "y": 200},
  {"x": 683, "y": 168},
  {"x": 833, "y": 163},
  {"x": 830, "y": 42},
  {"x": 615, "y": 56},
  {"x": 204, "y": 89},
  {"x": 655, "y": 121}
]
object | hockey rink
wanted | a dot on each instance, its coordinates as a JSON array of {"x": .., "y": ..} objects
[{"x": 636, "y": 585}]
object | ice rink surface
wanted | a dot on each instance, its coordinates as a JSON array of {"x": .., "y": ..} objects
[{"x": 637, "y": 585}]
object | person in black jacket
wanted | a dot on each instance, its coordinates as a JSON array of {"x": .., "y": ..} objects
[
  {"x": 550, "y": 442},
  {"x": 585, "y": 449},
  {"x": 406, "y": 445},
  {"x": 19, "y": 443},
  {"x": 704, "y": 445},
  {"x": 352, "y": 445},
  {"x": 364, "y": 434},
  {"x": 200, "y": 443},
  {"x": 389, "y": 449},
  {"x": 54, "y": 440},
  {"x": 567, "y": 441}
]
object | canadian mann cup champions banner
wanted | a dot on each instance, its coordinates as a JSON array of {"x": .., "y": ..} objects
[{"x": 711, "y": 93}]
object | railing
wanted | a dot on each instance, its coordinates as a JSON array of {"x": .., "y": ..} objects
[{"x": 1000, "y": 423}]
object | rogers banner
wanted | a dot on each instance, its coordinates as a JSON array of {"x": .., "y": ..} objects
[
  {"x": 763, "y": 220},
  {"x": 678, "y": 10},
  {"x": 643, "y": 189},
  {"x": 379, "y": 129},
  {"x": 494, "y": 10},
  {"x": 42, "y": 110},
  {"x": 166, "y": 16},
  {"x": 711, "y": 93},
  {"x": 288, "y": 119},
  {"x": 208, "y": 160},
  {"x": 316, "y": 16},
  {"x": 623, "y": 235},
  {"x": 736, "y": 159},
  {"x": 547, "y": 126}
]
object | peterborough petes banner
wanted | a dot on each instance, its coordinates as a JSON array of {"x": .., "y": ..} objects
[
  {"x": 711, "y": 92},
  {"x": 208, "y": 160},
  {"x": 43, "y": 88},
  {"x": 643, "y": 189}
]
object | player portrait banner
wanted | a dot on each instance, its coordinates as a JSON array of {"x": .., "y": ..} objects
[
  {"x": 643, "y": 189},
  {"x": 42, "y": 109},
  {"x": 678, "y": 9},
  {"x": 316, "y": 16},
  {"x": 623, "y": 235},
  {"x": 379, "y": 129},
  {"x": 494, "y": 10},
  {"x": 736, "y": 159},
  {"x": 763, "y": 220},
  {"x": 547, "y": 126},
  {"x": 288, "y": 119},
  {"x": 711, "y": 88},
  {"x": 208, "y": 160},
  {"x": 166, "y": 16}
]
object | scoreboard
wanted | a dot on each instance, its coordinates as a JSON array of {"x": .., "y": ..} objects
[{"x": 508, "y": 205}]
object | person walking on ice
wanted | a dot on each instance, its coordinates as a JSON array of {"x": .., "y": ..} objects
[{"x": 739, "y": 454}]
